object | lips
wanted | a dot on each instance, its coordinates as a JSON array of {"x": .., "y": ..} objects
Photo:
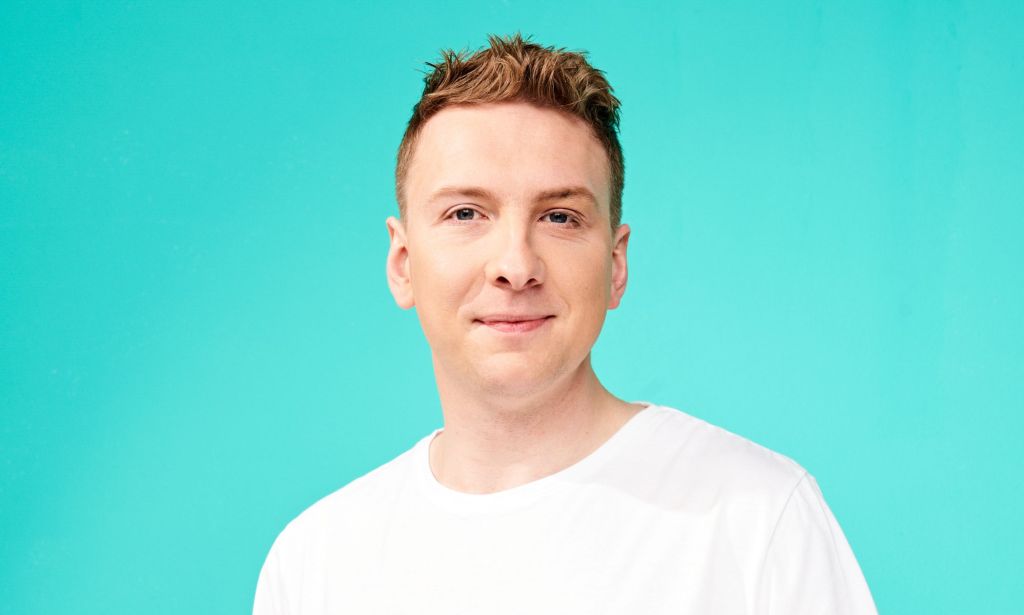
[{"x": 514, "y": 323}]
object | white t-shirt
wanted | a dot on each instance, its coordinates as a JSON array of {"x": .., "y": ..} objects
[{"x": 670, "y": 515}]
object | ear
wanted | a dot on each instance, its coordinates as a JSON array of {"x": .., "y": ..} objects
[
  {"x": 620, "y": 269},
  {"x": 398, "y": 264}
]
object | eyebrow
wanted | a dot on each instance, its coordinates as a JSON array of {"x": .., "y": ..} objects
[
  {"x": 569, "y": 192},
  {"x": 555, "y": 194}
]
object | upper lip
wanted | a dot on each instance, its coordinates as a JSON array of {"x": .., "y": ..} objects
[{"x": 511, "y": 317}]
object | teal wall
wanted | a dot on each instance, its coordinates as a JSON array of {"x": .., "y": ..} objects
[{"x": 197, "y": 342}]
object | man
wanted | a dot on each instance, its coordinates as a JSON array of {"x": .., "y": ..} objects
[{"x": 544, "y": 493}]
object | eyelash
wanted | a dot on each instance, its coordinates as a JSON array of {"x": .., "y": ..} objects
[
  {"x": 452, "y": 214},
  {"x": 572, "y": 221}
]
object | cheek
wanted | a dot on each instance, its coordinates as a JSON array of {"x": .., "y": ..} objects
[
  {"x": 598, "y": 271},
  {"x": 593, "y": 290},
  {"x": 589, "y": 286},
  {"x": 441, "y": 282}
]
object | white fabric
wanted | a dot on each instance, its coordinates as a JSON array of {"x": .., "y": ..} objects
[{"x": 670, "y": 515}]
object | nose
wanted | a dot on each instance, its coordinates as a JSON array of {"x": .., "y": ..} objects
[{"x": 515, "y": 264}]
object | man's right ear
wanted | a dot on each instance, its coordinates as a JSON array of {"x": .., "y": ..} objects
[{"x": 398, "y": 265}]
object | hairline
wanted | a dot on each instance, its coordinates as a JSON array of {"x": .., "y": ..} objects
[{"x": 410, "y": 142}]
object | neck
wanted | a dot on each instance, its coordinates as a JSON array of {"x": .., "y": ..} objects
[{"x": 494, "y": 440}]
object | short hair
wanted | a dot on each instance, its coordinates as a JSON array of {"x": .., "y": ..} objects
[{"x": 511, "y": 69}]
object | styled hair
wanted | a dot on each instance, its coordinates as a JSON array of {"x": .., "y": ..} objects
[{"x": 511, "y": 69}]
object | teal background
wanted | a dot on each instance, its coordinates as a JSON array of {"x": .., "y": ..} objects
[{"x": 197, "y": 341}]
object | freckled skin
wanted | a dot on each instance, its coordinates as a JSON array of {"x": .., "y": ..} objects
[{"x": 499, "y": 249}]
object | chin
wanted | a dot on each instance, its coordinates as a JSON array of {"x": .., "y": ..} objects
[{"x": 517, "y": 375}]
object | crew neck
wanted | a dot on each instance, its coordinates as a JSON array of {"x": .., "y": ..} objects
[{"x": 520, "y": 496}]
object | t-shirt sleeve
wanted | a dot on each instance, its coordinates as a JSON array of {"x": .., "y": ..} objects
[
  {"x": 270, "y": 599},
  {"x": 809, "y": 567}
]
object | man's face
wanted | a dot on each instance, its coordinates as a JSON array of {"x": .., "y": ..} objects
[{"x": 506, "y": 248}]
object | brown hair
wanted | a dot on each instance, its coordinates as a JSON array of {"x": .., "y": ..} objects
[{"x": 512, "y": 69}]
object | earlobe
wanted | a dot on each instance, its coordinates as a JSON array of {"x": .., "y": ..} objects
[
  {"x": 620, "y": 268},
  {"x": 399, "y": 280}
]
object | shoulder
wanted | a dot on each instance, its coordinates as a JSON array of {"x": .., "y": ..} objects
[
  {"x": 351, "y": 507},
  {"x": 701, "y": 465},
  {"x": 727, "y": 455},
  {"x": 342, "y": 522}
]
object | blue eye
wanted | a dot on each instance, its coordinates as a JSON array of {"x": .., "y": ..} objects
[
  {"x": 464, "y": 214},
  {"x": 561, "y": 218}
]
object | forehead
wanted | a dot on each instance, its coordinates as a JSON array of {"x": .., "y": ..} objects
[{"x": 511, "y": 149}]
